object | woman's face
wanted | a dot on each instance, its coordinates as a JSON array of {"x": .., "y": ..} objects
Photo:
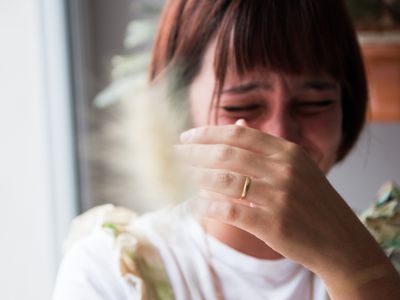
[{"x": 303, "y": 109}]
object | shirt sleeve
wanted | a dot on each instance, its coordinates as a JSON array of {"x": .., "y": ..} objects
[{"x": 90, "y": 271}]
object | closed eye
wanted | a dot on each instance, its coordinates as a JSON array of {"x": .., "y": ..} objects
[
  {"x": 314, "y": 107},
  {"x": 250, "y": 107},
  {"x": 322, "y": 103}
]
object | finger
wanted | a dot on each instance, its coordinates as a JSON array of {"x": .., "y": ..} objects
[
  {"x": 251, "y": 219},
  {"x": 218, "y": 196},
  {"x": 237, "y": 136},
  {"x": 224, "y": 157},
  {"x": 230, "y": 184}
]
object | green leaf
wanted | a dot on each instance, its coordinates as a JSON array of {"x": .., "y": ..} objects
[{"x": 140, "y": 33}]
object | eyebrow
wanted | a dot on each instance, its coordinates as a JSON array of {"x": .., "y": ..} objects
[
  {"x": 247, "y": 87},
  {"x": 244, "y": 88},
  {"x": 320, "y": 85}
]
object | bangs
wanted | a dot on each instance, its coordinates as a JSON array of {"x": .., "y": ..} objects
[{"x": 293, "y": 37}]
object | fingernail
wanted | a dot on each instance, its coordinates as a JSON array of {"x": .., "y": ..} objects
[
  {"x": 186, "y": 136},
  {"x": 241, "y": 122}
]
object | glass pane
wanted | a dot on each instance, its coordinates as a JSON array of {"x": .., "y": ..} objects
[{"x": 104, "y": 34}]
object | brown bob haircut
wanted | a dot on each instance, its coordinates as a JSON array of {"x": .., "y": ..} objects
[{"x": 290, "y": 36}]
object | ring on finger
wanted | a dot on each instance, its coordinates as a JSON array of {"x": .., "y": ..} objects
[{"x": 246, "y": 187}]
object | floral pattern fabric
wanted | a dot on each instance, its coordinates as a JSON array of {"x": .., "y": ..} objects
[
  {"x": 383, "y": 221},
  {"x": 139, "y": 261}
]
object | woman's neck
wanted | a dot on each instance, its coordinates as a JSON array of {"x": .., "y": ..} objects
[{"x": 239, "y": 240}]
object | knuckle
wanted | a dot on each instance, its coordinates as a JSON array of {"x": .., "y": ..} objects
[
  {"x": 234, "y": 214},
  {"x": 295, "y": 151},
  {"x": 236, "y": 132},
  {"x": 224, "y": 153},
  {"x": 288, "y": 171},
  {"x": 292, "y": 147},
  {"x": 231, "y": 213},
  {"x": 224, "y": 179}
]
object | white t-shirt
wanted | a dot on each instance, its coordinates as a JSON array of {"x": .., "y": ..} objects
[{"x": 90, "y": 270}]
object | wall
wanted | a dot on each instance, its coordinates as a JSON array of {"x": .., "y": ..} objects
[
  {"x": 25, "y": 224},
  {"x": 36, "y": 182},
  {"x": 375, "y": 159}
]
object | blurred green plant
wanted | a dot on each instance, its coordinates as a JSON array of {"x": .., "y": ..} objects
[{"x": 130, "y": 70}]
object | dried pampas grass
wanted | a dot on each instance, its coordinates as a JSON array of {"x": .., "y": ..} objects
[{"x": 159, "y": 114}]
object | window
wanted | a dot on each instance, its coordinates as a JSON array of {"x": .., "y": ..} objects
[{"x": 104, "y": 33}]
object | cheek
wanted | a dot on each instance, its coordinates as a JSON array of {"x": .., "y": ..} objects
[
  {"x": 322, "y": 137},
  {"x": 200, "y": 97},
  {"x": 200, "y": 101},
  {"x": 199, "y": 117}
]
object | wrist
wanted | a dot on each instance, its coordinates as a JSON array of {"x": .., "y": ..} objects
[
  {"x": 360, "y": 283},
  {"x": 360, "y": 269},
  {"x": 375, "y": 279}
]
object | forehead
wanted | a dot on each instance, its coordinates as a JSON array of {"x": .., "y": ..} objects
[
  {"x": 263, "y": 75},
  {"x": 271, "y": 78}
]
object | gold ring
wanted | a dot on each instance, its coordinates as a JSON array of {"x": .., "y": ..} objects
[{"x": 246, "y": 188}]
